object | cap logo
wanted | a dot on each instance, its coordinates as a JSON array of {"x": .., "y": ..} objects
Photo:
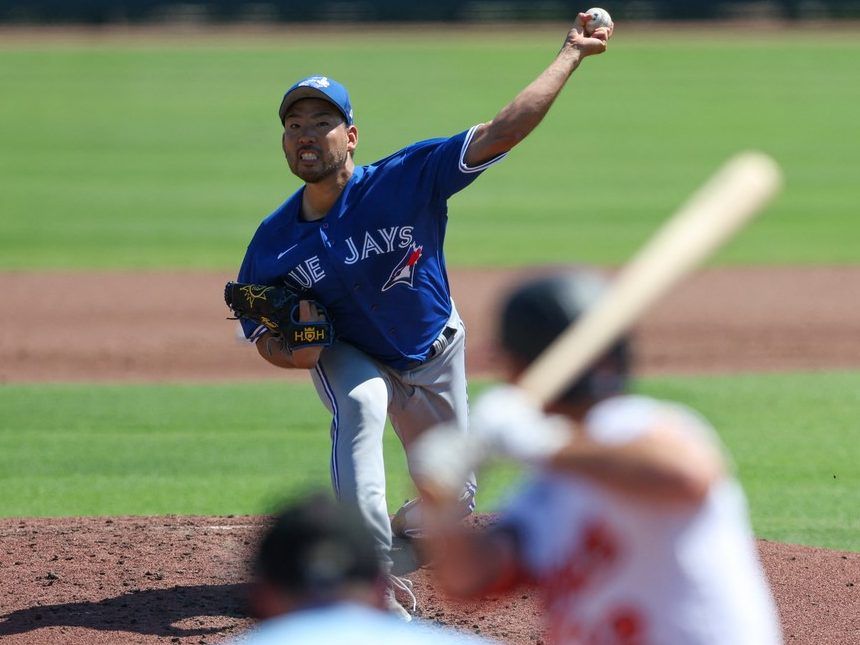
[{"x": 315, "y": 81}]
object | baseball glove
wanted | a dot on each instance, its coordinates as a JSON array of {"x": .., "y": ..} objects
[{"x": 277, "y": 308}]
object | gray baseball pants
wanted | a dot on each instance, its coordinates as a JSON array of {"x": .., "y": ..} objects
[{"x": 361, "y": 393}]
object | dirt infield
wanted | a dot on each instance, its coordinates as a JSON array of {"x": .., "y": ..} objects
[
  {"x": 181, "y": 579},
  {"x": 173, "y": 326}
]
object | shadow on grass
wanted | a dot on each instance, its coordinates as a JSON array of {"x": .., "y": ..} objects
[{"x": 177, "y": 612}]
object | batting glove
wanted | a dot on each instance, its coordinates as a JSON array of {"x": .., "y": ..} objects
[
  {"x": 505, "y": 423},
  {"x": 441, "y": 459}
]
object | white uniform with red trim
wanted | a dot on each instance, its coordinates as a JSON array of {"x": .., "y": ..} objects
[{"x": 617, "y": 569}]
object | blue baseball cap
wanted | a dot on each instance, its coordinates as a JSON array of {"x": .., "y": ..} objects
[{"x": 318, "y": 87}]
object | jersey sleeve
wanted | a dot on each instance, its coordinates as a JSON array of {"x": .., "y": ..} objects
[
  {"x": 448, "y": 166},
  {"x": 249, "y": 274},
  {"x": 624, "y": 419}
]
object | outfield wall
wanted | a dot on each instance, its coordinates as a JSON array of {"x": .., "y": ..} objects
[{"x": 121, "y": 11}]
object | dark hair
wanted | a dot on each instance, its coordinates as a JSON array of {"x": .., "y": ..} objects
[
  {"x": 539, "y": 310},
  {"x": 315, "y": 546}
]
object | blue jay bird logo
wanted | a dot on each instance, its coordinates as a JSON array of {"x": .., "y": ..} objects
[{"x": 404, "y": 272}]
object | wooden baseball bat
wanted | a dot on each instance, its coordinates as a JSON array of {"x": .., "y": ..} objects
[{"x": 721, "y": 207}]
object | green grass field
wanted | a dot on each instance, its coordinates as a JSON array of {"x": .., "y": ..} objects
[
  {"x": 166, "y": 154},
  {"x": 195, "y": 449}
]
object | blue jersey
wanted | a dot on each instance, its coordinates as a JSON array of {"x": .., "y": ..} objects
[{"x": 375, "y": 260}]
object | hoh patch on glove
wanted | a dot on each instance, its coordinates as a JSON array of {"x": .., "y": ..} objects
[{"x": 277, "y": 308}]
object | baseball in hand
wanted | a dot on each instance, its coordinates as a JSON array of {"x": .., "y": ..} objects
[{"x": 599, "y": 18}]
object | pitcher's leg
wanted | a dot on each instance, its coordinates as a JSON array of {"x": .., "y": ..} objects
[
  {"x": 434, "y": 393},
  {"x": 357, "y": 394},
  {"x": 445, "y": 397}
]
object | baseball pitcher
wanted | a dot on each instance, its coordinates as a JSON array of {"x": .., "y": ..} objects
[{"x": 360, "y": 248}]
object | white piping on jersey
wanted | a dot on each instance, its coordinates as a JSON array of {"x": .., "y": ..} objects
[
  {"x": 258, "y": 331},
  {"x": 464, "y": 167},
  {"x": 334, "y": 428}
]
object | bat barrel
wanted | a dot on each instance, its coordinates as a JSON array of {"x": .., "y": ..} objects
[{"x": 720, "y": 208}]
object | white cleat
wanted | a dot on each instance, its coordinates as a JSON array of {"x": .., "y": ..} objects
[{"x": 407, "y": 521}]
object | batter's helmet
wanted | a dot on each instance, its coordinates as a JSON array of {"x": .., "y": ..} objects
[{"x": 537, "y": 312}]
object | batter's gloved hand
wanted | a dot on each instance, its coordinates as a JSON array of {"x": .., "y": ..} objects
[
  {"x": 441, "y": 460},
  {"x": 507, "y": 424},
  {"x": 277, "y": 308},
  {"x": 503, "y": 423}
]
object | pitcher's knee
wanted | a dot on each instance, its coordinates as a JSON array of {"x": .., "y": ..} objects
[{"x": 366, "y": 404}]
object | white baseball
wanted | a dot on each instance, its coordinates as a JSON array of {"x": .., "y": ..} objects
[{"x": 599, "y": 18}]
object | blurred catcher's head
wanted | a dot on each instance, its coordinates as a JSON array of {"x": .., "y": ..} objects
[
  {"x": 540, "y": 309},
  {"x": 317, "y": 548},
  {"x": 318, "y": 87}
]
